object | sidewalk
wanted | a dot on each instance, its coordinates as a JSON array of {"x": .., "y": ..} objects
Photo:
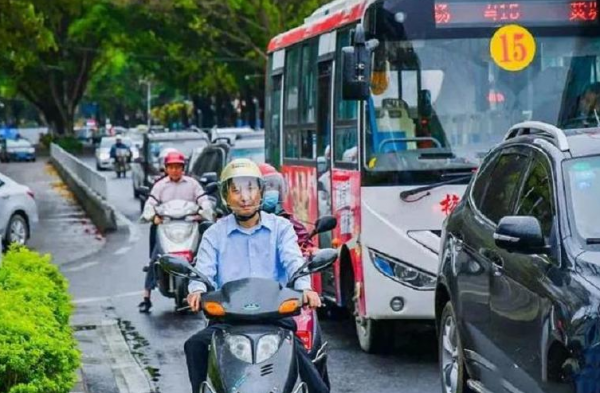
[{"x": 63, "y": 230}]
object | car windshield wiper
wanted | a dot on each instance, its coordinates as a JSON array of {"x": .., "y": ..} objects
[
  {"x": 404, "y": 195},
  {"x": 593, "y": 240}
]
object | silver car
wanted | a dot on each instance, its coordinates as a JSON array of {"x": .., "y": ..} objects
[
  {"x": 103, "y": 160},
  {"x": 18, "y": 211}
]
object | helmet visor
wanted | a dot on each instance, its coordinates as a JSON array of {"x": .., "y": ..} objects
[{"x": 246, "y": 188}]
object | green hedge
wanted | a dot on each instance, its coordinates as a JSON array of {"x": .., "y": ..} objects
[{"x": 38, "y": 352}]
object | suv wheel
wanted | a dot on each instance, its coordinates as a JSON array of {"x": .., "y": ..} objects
[{"x": 452, "y": 364}]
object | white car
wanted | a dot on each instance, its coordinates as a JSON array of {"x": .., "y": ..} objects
[
  {"x": 18, "y": 211},
  {"x": 103, "y": 160}
]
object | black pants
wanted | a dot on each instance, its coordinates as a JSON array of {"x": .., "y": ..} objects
[{"x": 196, "y": 353}]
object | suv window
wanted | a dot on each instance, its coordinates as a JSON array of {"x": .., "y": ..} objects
[
  {"x": 483, "y": 178},
  {"x": 504, "y": 182},
  {"x": 536, "y": 198},
  {"x": 209, "y": 161}
]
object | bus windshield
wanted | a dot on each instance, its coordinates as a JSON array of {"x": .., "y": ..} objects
[{"x": 441, "y": 104}]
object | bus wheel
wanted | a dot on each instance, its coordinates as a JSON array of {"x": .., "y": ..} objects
[{"x": 373, "y": 336}]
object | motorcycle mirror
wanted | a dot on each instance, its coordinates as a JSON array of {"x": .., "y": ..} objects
[
  {"x": 175, "y": 266},
  {"x": 322, "y": 260},
  {"x": 180, "y": 267},
  {"x": 324, "y": 224}
]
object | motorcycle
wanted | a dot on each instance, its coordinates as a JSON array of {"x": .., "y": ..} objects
[
  {"x": 251, "y": 354},
  {"x": 121, "y": 162},
  {"x": 179, "y": 235}
]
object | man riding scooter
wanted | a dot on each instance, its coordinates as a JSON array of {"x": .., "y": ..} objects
[
  {"x": 247, "y": 243},
  {"x": 121, "y": 156},
  {"x": 174, "y": 186}
]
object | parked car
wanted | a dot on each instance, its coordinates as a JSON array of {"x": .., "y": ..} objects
[
  {"x": 518, "y": 293},
  {"x": 18, "y": 211},
  {"x": 149, "y": 166},
  {"x": 18, "y": 150},
  {"x": 231, "y": 133},
  {"x": 103, "y": 160}
]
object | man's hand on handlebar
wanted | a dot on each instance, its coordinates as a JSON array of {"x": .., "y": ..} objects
[
  {"x": 312, "y": 299},
  {"x": 157, "y": 220},
  {"x": 194, "y": 300}
]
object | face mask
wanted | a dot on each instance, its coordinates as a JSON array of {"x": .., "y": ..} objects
[{"x": 270, "y": 201}]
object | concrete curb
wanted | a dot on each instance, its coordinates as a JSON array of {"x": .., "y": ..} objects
[
  {"x": 108, "y": 366},
  {"x": 127, "y": 371},
  {"x": 100, "y": 212}
]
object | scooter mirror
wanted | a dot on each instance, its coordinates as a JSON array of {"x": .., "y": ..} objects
[
  {"x": 180, "y": 267},
  {"x": 322, "y": 260},
  {"x": 175, "y": 266},
  {"x": 325, "y": 224}
]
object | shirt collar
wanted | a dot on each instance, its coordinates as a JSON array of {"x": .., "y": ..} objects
[
  {"x": 266, "y": 221},
  {"x": 182, "y": 180}
]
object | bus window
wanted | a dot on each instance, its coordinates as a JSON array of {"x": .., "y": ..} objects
[
  {"x": 440, "y": 105},
  {"x": 291, "y": 148},
  {"x": 273, "y": 112},
  {"x": 309, "y": 82},
  {"x": 346, "y": 145},
  {"x": 292, "y": 88},
  {"x": 308, "y": 145},
  {"x": 345, "y": 134},
  {"x": 345, "y": 110}
]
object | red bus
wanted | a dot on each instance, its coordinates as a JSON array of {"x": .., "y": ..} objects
[{"x": 446, "y": 80}]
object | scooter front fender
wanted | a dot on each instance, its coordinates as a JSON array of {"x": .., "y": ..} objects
[{"x": 226, "y": 373}]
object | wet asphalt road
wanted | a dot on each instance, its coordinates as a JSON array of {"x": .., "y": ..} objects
[{"x": 110, "y": 281}]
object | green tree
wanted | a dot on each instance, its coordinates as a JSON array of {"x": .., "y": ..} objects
[{"x": 52, "y": 70}]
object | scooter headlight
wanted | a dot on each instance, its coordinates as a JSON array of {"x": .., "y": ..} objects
[
  {"x": 178, "y": 232},
  {"x": 267, "y": 347},
  {"x": 240, "y": 347}
]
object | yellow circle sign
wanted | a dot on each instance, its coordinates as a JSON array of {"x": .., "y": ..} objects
[{"x": 512, "y": 48}]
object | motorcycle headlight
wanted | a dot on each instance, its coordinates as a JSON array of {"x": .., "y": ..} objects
[
  {"x": 240, "y": 347},
  {"x": 178, "y": 232},
  {"x": 268, "y": 346},
  {"x": 402, "y": 272}
]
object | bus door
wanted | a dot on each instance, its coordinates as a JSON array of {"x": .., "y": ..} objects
[{"x": 324, "y": 160}]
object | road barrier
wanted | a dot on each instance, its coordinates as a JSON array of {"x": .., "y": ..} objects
[
  {"x": 87, "y": 175},
  {"x": 89, "y": 187}
]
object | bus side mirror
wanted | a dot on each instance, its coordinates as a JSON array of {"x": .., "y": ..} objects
[{"x": 356, "y": 67}]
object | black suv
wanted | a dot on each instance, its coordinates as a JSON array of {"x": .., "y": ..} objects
[{"x": 518, "y": 294}]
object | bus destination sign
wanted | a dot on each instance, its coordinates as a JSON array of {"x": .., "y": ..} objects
[{"x": 533, "y": 13}]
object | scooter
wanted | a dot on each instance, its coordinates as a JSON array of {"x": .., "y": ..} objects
[
  {"x": 121, "y": 162},
  {"x": 252, "y": 355},
  {"x": 179, "y": 235}
]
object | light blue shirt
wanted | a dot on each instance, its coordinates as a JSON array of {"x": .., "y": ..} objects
[{"x": 270, "y": 250}]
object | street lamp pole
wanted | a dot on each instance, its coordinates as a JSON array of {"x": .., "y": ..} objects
[{"x": 149, "y": 103}]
